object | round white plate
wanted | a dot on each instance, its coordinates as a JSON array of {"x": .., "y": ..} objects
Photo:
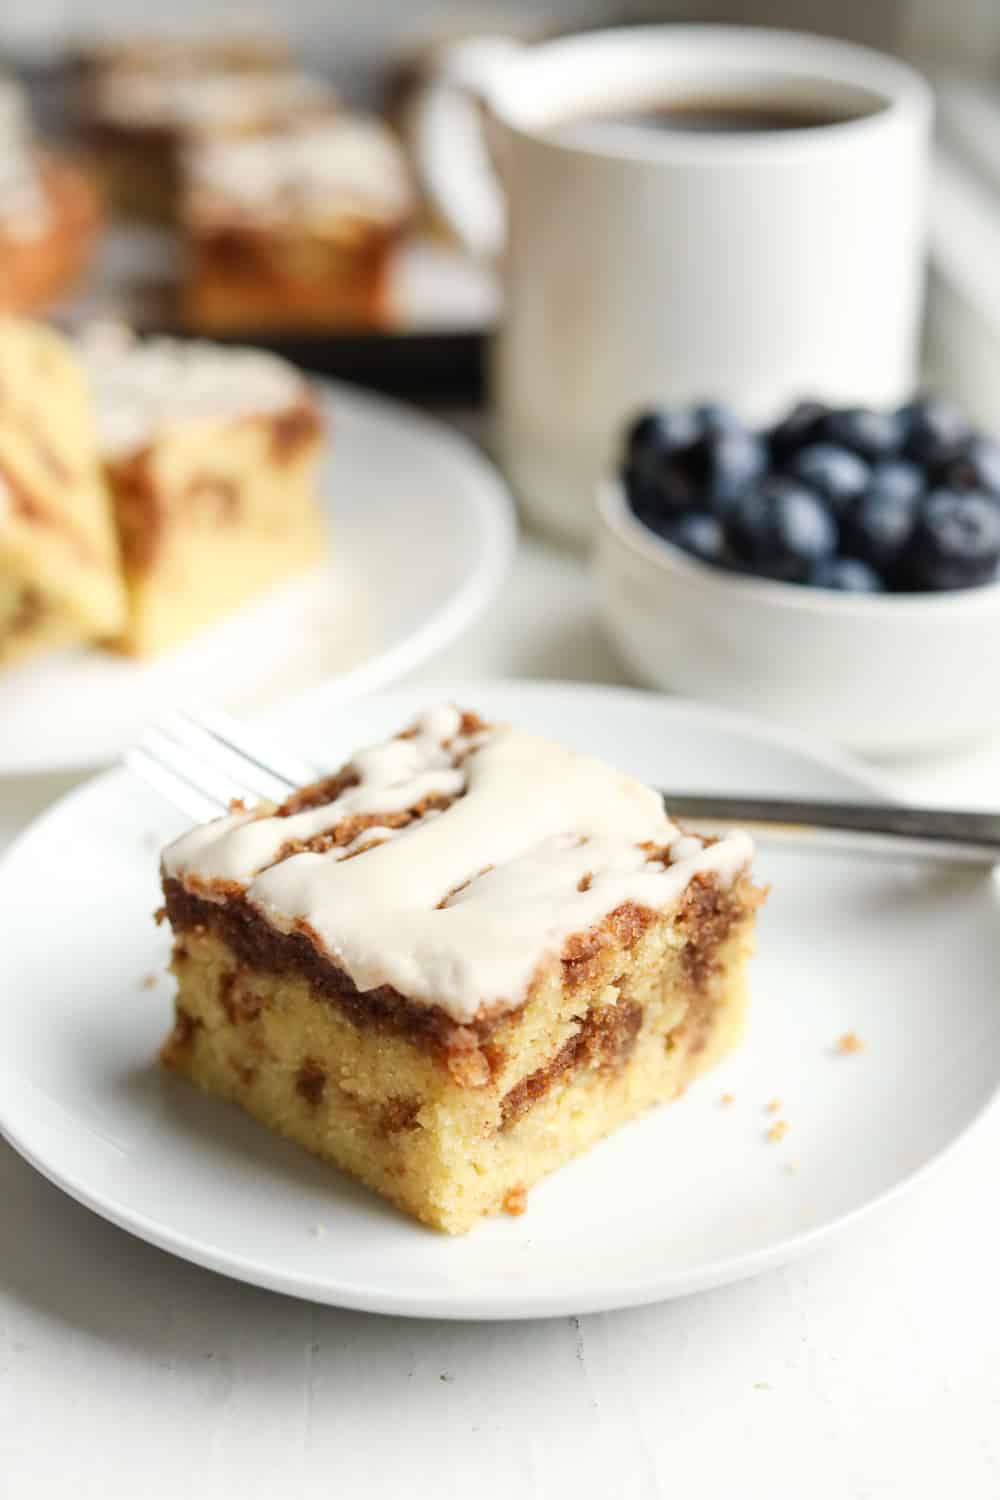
[
  {"x": 689, "y": 1196},
  {"x": 423, "y": 535}
]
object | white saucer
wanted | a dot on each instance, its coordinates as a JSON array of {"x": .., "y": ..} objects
[
  {"x": 423, "y": 536},
  {"x": 690, "y": 1196}
]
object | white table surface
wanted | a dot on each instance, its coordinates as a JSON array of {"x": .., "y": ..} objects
[{"x": 870, "y": 1370}]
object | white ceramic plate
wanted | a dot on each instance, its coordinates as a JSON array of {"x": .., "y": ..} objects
[
  {"x": 423, "y": 535},
  {"x": 690, "y": 1196}
]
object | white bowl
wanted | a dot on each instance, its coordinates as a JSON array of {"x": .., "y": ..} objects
[{"x": 882, "y": 673}]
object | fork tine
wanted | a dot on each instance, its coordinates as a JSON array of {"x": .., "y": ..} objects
[
  {"x": 193, "y": 767},
  {"x": 255, "y": 747},
  {"x": 180, "y": 792},
  {"x": 218, "y": 752},
  {"x": 202, "y": 762}
]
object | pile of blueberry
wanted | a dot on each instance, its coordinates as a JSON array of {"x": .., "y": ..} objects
[{"x": 840, "y": 498}]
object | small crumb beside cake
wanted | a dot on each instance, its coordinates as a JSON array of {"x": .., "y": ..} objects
[
  {"x": 293, "y": 228},
  {"x": 457, "y": 962},
  {"x": 59, "y": 568},
  {"x": 850, "y": 1042},
  {"x": 211, "y": 455}
]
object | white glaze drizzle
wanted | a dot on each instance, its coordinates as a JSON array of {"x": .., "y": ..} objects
[
  {"x": 326, "y": 167},
  {"x": 392, "y": 777},
  {"x": 459, "y": 909},
  {"x": 143, "y": 387}
]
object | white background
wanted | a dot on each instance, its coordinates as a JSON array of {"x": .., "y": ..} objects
[{"x": 867, "y": 1372}]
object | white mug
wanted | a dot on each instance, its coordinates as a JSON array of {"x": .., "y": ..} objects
[{"x": 652, "y": 266}]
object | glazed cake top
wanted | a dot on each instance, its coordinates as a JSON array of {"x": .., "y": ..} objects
[
  {"x": 144, "y": 387},
  {"x": 331, "y": 166},
  {"x": 196, "y": 101},
  {"x": 515, "y": 845}
]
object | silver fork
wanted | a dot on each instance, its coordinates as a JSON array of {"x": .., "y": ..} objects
[{"x": 201, "y": 762}]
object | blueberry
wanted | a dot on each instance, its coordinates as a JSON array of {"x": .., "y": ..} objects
[
  {"x": 712, "y": 417},
  {"x": 780, "y": 530},
  {"x": 848, "y": 574},
  {"x": 872, "y": 434},
  {"x": 879, "y": 528},
  {"x": 795, "y": 430},
  {"x": 659, "y": 488},
  {"x": 725, "y": 464},
  {"x": 656, "y": 495},
  {"x": 699, "y": 534},
  {"x": 836, "y": 474},
  {"x": 934, "y": 430},
  {"x": 975, "y": 467},
  {"x": 659, "y": 431},
  {"x": 642, "y": 498},
  {"x": 656, "y": 482},
  {"x": 956, "y": 541},
  {"x": 897, "y": 479}
]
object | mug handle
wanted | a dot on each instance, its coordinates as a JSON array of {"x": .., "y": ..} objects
[{"x": 448, "y": 138}]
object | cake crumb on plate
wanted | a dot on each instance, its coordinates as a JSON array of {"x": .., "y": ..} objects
[
  {"x": 778, "y": 1131},
  {"x": 850, "y": 1042},
  {"x": 516, "y": 1202}
]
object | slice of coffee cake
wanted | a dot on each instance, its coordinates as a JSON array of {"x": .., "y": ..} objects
[
  {"x": 58, "y": 556},
  {"x": 211, "y": 454},
  {"x": 295, "y": 228},
  {"x": 456, "y": 963}
]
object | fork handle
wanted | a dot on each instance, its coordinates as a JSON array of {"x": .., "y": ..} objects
[{"x": 935, "y": 833}]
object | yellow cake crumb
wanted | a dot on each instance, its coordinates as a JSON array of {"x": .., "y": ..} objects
[
  {"x": 772, "y": 1107},
  {"x": 778, "y": 1131},
  {"x": 850, "y": 1042},
  {"x": 515, "y": 1202},
  {"x": 727, "y": 1100}
]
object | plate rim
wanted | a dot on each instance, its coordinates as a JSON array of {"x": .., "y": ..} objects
[
  {"x": 489, "y": 500},
  {"x": 355, "y": 1296}
]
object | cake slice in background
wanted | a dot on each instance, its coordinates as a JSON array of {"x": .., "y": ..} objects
[
  {"x": 142, "y": 109},
  {"x": 211, "y": 454},
  {"x": 294, "y": 228},
  {"x": 59, "y": 575},
  {"x": 457, "y": 963}
]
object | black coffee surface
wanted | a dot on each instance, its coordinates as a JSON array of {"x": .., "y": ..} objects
[{"x": 711, "y": 117}]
